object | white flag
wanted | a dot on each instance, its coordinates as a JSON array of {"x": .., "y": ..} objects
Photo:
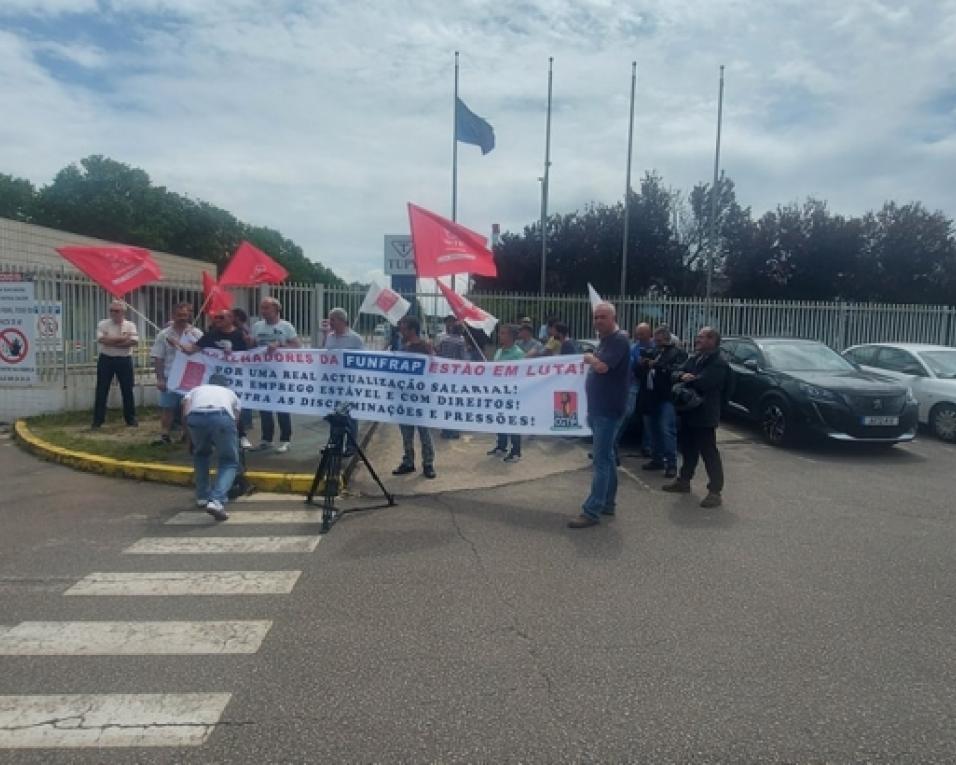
[
  {"x": 385, "y": 302},
  {"x": 596, "y": 299}
]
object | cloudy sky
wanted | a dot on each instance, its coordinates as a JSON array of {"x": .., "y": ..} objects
[{"x": 323, "y": 118}]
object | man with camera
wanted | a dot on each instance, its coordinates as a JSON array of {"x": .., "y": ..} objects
[
  {"x": 699, "y": 391},
  {"x": 660, "y": 419}
]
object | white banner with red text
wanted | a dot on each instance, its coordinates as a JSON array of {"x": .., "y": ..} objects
[{"x": 543, "y": 396}]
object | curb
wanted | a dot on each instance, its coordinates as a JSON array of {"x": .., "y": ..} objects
[{"x": 178, "y": 475}]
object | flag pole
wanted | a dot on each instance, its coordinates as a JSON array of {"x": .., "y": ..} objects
[
  {"x": 712, "y": 250},
  {"x": 627, "y": 184},
  {"x": 544, "y": 183},
  {"x": 454, "y": 157}
]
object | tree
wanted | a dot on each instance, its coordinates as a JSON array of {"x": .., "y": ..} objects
[{"x": 16, "y": 198}]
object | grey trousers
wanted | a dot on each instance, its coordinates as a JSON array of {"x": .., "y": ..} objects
[{"x": 408, "y": 444}]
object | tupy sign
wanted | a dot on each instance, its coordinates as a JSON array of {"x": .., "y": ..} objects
[{"x": 399, "y": 255}]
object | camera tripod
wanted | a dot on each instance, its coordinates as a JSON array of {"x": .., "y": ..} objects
[{"x": 328, "y": 475}]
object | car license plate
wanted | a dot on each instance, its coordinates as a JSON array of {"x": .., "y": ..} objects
[{"x": 883, "y": 420}]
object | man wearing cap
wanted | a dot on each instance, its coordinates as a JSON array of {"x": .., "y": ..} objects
[
  {"x": 210, "y": 411},
  {"x": 116, "y": 336}
]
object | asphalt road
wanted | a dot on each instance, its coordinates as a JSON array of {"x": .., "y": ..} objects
[{"x": 811, "y": 619}]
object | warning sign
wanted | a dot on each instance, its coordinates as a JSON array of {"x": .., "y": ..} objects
[
  {"x": 49, "y": 326},
  {"x": 18, "y": 318}
]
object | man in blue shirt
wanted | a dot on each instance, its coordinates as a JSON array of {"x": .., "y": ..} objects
[{"x": 606, "y": 389}]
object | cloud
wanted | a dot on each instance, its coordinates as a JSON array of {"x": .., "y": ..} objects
[{"x": 323, "y": 119}]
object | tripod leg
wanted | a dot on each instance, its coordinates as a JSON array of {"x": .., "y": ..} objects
[
  {"x": 320, "y": 473},
  {"x": 371, "y": 470}
]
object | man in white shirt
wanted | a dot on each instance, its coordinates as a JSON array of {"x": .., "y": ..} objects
[
  {"x": 211, "y": 411},
  {"x": 116, "y": 337},
  {"x": 273, "y": 332},
  {"x": 340, "y": 336},
  {"x": 181, "y": 331}
]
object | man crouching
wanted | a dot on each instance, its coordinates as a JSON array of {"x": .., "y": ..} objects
[{"x": 210, "y": 412}]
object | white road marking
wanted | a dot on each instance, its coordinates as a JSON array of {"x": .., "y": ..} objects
[
  {"x": 637, "y": 480},
  {"x": 268, "y": 496},
  {"x": 204, "y": 545},
  {"x": 133, "y": 638},
  {"x": 109, "y": 720},
  {"x": 248, "y": 517},
  {"x": 187, "y": 583}
]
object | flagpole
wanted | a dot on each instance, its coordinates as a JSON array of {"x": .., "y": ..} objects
[
  {"x": 627, "y": 184},
  {"x": 544, "y": 183},
  {"x": 712, "y": 250},
  {"x": 454, "y": 157}
]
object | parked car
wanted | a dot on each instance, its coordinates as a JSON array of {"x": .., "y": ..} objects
[
  {"x": 930, "y": 370},
  {"x": 802, "y": 387}
]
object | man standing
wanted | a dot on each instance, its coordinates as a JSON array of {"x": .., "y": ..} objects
[
  {"x": 641, "y": 352},
  {"x": 659, "y": 415},
  {"x": 606, "y": 388},
  {"x": 409, "y": 326},
  {"x": 116, "y": 336},
  {"x": 562, "y": 336},
  {"x": 339, "y": 336},
  {"x": 163, "y": 353},
  {"x": 274, "y": 332},
  {"x": 526, "y": 342},
  {"x": 211, "y": 411},
  {"x": 451, "y": 345},
  {"x": 708, "y": 373},
  {"x": 507, "y": 351}
]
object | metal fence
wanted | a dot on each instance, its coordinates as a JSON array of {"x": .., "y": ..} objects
[{"x": 839, "y": 325}]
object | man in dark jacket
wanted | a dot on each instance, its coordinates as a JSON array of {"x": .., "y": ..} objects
[
  {"x": 657, "y": 407},
  {"x": 708, "y": 373}
]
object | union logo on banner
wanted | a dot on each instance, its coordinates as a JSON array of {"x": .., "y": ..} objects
[{"x": 565, "y": 410}]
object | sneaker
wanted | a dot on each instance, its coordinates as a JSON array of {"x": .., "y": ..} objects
[
  {"x": 652, "y": 465},
  {"x": 215, "y": 509},
  {"x": 429, "y": 471},
  {"x": 512, "y": 458},
  {"x": 497, "y": 452},
  {"x": 404, "y": 469},
  {"x": 677, "y": 486},
  {"x": 713, "y": 499},
  {"x": 283, "y": 447},
  {"x": 202, "y": 503},
  {"x": 583, "y": 522},
  {"x": 670, "y": 472},
  {"x": 245, "y": 443}
]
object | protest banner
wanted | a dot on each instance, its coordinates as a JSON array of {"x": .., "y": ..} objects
[{"x": 543, "y": 396}]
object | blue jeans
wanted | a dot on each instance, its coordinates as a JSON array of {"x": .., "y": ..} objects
[
  {"x": 662, "y": 425},
  {"x": 207, "y": 430},
  {"x": 604, "y": 478}
]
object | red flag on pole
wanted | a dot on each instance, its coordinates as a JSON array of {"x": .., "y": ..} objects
[
  {"x": 467, "y": 311},
  {"x": 215, "y": 297},
  {"x": 444, "y": 247},
  {"x": 118, "y": 269},
  {"x": 251, "y": 266}
]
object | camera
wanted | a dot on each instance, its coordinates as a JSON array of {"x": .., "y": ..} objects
[{"x": 340, "y": 414}]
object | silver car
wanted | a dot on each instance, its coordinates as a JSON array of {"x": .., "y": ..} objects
[{"x": 930, "y": 370}]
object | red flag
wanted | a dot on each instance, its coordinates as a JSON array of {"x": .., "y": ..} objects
[
  {"x": 467, "y": 311},
  {"x": 118, "y": 270},
  {"x": 215, "y": 297},
  {"x": 251, "y": 266},
  {"x": 444, "y": 247}
]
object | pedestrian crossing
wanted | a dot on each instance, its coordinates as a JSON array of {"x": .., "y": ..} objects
[{"x": 150, "y": 719}]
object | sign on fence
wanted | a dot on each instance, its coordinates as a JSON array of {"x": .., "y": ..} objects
[
  {"x": 17, "y": 336},
  {"x": 531, "y": 396}
]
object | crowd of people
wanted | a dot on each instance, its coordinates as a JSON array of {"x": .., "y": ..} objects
[{"x": 677, "y": 396}]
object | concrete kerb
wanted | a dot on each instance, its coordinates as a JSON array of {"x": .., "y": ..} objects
[{"x": 179, "y": 475}]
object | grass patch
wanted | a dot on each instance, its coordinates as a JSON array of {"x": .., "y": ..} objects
[{"x": 71, "y": 430}]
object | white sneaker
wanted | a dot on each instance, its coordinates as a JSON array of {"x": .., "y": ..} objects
[
  {"x": 202, "y": 503},
  {"x": 215, "y": 509},
  {"x": 245, "y": 443},
  {"x": 283, "y": 447}
]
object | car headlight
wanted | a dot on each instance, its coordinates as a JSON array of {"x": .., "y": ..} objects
[
  {"x": 910, "y": 398},
  {"x": 816, "y": 393}
]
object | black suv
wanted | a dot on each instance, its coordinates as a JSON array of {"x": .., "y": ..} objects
[{"x": 802, "y": 387}]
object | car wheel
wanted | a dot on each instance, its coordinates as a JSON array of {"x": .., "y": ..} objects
[
  {"x": 775, "y": 422},
  {"x": 943, "y": 421}
]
